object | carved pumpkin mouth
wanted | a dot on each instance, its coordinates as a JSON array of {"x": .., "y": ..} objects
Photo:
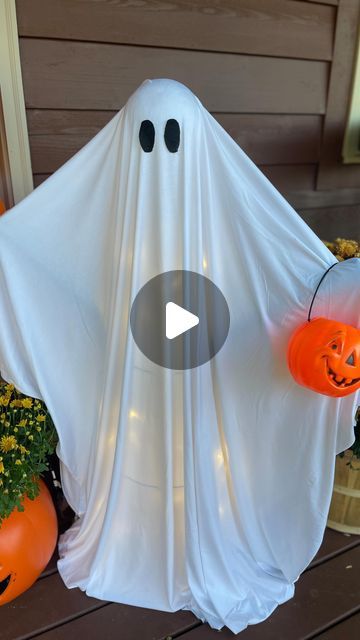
[
  {"x": 339, "y": 380},
  {"x": 4, "y": 583}
]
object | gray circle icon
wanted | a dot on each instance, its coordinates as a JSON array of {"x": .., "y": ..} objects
[{"x": 179, "y": 319}]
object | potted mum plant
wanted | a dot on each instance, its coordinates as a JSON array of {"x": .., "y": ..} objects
[
  {"x": 27, "y": 437},
  {"x": 28, "y": 519},
  {"x": 344, "y": 513}
]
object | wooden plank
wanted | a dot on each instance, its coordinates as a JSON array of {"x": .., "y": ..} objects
[
  {"x": 47, "y": 122},
  {"x": 332, "y": 172},
  {"x": 39, "y": 178},
  {"x": 323, "y": 596},
  {"x": 277, "y": 28},
  {"x": 275, "y": 139},
  {"x": 346, "y": 630},
  {"x": 310, "y": 199},
  {"x": 333, "y": 2},
  {"x": 333, "y": 543},
  {"x": 333, "y": 222},
  {"x": 125, "y": 622},
  {"x": 55, "y": 136},
  {"x": 42, "y": 606},
  {"x": 288, "y": 178},
  {"x": 80, "y": 75}
]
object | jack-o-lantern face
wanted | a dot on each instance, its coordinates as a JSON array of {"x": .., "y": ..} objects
[
  {"x": 27, "y": 542},
  {"x": 324, "y": 355}
]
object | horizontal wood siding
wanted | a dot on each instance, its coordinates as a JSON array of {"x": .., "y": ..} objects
[
  {"x": 262, "y": 27},
  {"x": 262, "y": 68},
  {"x": 325, "y": 221},
  {"x": 82, "y": 75}
]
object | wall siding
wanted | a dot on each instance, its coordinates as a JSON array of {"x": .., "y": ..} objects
[
  {"x": 262, "y": 67},
  {"x": 262, "y": 27}
]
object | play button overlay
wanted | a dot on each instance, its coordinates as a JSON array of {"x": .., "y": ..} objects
[{"x": 179, "y": 319}]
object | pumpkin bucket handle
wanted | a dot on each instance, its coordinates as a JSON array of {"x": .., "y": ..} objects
[{"x": 316, "y": 290}]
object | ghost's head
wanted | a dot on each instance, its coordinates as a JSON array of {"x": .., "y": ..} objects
[{"x": 162, "y": 116}]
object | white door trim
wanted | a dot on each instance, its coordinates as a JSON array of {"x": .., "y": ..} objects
[{"x": 13, "y": 103}]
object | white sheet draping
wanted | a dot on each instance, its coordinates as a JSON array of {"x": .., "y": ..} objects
[{"x": 205, "y": 489}]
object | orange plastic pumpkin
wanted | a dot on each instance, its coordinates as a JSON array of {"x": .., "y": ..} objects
[
  {"x": 27, "y": 542},
  {"x": 2, "y": 207},
  {"x": 324, "y": 355}
]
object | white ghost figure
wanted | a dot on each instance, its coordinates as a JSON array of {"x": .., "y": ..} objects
[{"x": 205, "y": 489}]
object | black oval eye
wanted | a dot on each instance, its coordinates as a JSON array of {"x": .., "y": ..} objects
[
  {"x": 172, "y": 135},
  {"x": 147, "y": 135}
]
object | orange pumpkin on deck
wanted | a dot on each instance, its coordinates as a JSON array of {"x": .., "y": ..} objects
[
  {"x": 324, "y": 355},
  {"x": 27, "y": 541}
]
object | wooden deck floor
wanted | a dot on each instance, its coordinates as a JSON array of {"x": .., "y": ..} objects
[{"x": 326, "y": 605}]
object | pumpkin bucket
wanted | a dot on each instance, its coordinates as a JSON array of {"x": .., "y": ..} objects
[
  {"x": 324, "y": 355},
  {"x": 344, "y": 513},
  {"x": 27, "y": 541}
]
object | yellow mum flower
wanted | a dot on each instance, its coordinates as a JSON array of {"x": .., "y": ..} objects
[
  {"x": 16, "y": 403},
  {"x": 9, "y": 387},
  {"x": 4, "y": 401},
  {"x": 2, "y": 468},
  {"x": 40, "y": 418},
  {"x": 31, "y": 437},
  {"x": 7, "y": 443},
  {"x": 18, "y": 461},
  {"x": 22, "y": 449},
  {"x": 346, "y": 248},
  {"x": 27, "y": 403},
  {"x": 38, "y": 428},
  {"x": 22, "y": 423}
]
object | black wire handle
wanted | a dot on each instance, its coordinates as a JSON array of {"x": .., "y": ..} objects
[{"x": 316, "y": 290}]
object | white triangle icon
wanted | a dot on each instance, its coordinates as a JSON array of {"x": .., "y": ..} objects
[{"x": 178, "y": 320}]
